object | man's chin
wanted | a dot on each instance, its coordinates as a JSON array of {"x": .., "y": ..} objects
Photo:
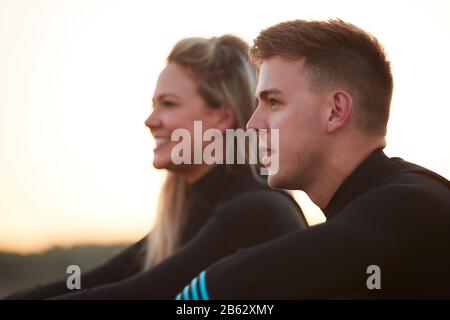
[
  {"x": 277, "y": 181},
  {"x": 274, "y": 181}
]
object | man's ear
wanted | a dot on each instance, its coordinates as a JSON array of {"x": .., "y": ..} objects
[
  {"x": 226, "y": 118},
  {"x": 341, "y": 108}
]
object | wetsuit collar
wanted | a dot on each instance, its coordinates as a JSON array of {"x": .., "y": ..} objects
[
  {"x": 210, "y": 186},
  {"x": 373, "y": 171}
]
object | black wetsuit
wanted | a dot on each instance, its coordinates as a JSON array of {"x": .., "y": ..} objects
[
  {"x": 228, "y": 211},
  {"x": 388, "y": 213}
]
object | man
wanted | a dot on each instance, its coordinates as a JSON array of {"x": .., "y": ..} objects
[{"x": 327, "y": 87}]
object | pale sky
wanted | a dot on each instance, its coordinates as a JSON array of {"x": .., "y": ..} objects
[{"x": 77, "y": 77}]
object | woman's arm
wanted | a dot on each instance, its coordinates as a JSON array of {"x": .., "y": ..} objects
[{"x": 241, "y": 222}]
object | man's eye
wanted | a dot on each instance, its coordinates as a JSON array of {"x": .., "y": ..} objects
[{"x": 273, "y": 102}]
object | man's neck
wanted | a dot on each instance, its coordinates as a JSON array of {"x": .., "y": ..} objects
[{"x": 338, "y": 166}]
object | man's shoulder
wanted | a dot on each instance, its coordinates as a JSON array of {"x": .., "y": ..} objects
[
  {"x": 409, "y": 195},
  {"x": 415, "y": 175}
]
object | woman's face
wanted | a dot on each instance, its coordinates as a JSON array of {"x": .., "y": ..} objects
[{"x": 176, "y": 104}]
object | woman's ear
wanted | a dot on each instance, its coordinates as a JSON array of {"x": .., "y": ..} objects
[{"x": 226, "y": 118}]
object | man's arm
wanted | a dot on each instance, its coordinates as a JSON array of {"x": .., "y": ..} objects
[{"x": 403, "y": 230}]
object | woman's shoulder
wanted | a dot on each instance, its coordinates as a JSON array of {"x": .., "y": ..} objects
[
  {"x": 247, "y": 197},
  {"x": 257, "y": 216},
  {"x": 263, "y": 204}
]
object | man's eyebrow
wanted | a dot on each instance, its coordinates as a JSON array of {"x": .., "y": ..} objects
[{"x": 263, "y": 94}]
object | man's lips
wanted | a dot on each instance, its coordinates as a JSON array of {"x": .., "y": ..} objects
[{"x": 266, "y": 154}]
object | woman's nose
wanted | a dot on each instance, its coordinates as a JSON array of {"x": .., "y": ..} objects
[{"x": 153, "y": 120}]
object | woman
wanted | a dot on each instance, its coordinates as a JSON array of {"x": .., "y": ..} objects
[{"x": 206, "y": 212}]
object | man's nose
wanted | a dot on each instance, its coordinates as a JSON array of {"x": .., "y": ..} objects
[{"x": 257, "y": 120}]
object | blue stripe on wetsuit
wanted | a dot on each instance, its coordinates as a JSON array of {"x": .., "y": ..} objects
[
  {"x": 193, "y": 288},
  {"x": 202, "y": 283},
  {"x": 186, "y": 293}
]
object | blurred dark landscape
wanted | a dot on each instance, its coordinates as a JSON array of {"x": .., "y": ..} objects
[{"x": 19, "y": 271}]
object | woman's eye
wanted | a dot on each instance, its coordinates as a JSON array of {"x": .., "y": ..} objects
[{"x": 168, "y": 103}]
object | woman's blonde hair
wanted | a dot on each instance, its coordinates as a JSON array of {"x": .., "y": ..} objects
[{"x": 224, "y": 76}]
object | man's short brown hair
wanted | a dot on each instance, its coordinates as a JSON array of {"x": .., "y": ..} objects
[{"x": 337, "y": 54}]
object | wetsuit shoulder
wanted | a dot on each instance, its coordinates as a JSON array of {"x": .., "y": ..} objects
[
  {"x": 410, "y": 196},
  {"x": 259, "y": 215}
]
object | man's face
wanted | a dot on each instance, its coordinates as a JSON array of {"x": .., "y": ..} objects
[{"x": 287, "y": 102}]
